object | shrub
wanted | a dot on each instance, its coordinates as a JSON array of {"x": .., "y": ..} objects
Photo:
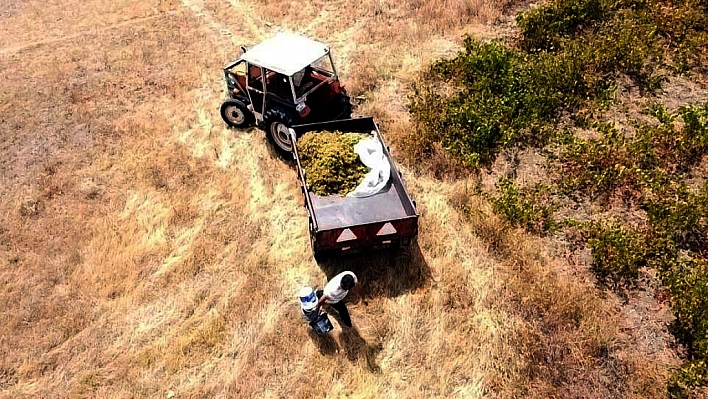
[
  {"x": 620, "y": 36},
  {"x": 681, "y": 217},
  {"x": 688, "y": 284},
  {"x": 526, "y": 208},
  {"x": 488, "y": 95},
  {"x": 569, "y": 56},
  {"x": 651, "y": 159},
  {"x": 690, "y": 375},
  {"x": 674, "y": 242},
  {"x": 570, "y": 52},
  {"x": 597, "y": 165},
  {"x": 471, "y": 123},
  {"x": 694, "y": 138},
  {"x": 617, "y": 252},
  {"x": 545, "y": 27}
]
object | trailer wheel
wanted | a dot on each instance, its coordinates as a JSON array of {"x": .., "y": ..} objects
[
  {"x": 395, "y": 249},
  {"x": 321, "y": 256},
  {"x": 402, "y": 248},
  {"x": 235, "y": 113}
]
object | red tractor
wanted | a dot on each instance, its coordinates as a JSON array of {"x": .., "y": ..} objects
[{"x": 283, "y": 81}]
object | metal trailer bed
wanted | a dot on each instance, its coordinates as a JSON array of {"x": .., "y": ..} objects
[{"x": 338, "y": 224}]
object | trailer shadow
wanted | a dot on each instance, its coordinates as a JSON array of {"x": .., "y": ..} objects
[{"x": 382, "y": 273}]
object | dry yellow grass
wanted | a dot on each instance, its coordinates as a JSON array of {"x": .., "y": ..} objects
[{"x": 147, "y": 250}]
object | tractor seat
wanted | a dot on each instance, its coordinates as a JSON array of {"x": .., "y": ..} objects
[{"x": 255, "y": 72}]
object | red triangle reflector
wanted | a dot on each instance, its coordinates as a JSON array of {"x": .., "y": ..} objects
[
  {"x": 346, "y": 235},
  {"x": 387, "y": 230}
]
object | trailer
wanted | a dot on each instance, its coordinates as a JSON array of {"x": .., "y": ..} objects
[{"x": 339, "y": 224}]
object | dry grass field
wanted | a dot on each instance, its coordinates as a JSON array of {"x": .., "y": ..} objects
[{"x": 148, "y": 251}]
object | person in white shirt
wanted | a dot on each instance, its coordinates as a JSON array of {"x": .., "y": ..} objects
[{"x": 334, "y": 292}]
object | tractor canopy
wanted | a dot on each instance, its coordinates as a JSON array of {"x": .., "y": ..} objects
[{"x": 286, "y": 53}]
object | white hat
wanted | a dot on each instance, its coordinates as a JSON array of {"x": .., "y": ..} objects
[{"x": 308, "y": 299}]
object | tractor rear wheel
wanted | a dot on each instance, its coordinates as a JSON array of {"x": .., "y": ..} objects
[
  {"x": 277, "y": 124},
  {"x": 235, "y": 113}
]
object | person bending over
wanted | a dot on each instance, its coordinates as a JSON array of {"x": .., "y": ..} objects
[{"x": 334, "y": 292}]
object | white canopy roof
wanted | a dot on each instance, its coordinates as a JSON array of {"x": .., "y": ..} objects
[{"x": 285, "y": 53}]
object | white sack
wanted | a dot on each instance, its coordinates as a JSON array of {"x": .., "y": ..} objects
[{"x": 372, "y": 155}]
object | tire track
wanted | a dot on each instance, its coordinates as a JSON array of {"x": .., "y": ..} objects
[
  {"x": 197, "y": 8},
  {"x": 252, "y": 30},
  {"x": 256, "y": 32},
  {"x": 7, "y": 51},
  {"x": 265, "y": 184}
]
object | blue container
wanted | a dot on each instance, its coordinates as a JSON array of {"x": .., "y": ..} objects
[
  {"x": 321, "y": 324},
  {"x": 319, "y": 321}
]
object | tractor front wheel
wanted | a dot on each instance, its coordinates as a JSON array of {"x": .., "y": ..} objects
[{"x": 235, "y": 113}]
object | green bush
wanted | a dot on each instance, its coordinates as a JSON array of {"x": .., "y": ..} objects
[
  {"x": 472, "y": 123},
  {"x": 597, "y": 165},
  {"x": 674, "y": 243},
  {"x": 569, "y": 57},
  {"x": 570, "y": 52},
  {"x": 651, "y": 159},
  {"x": 619, "y": 36},
  {"x": 526, "y": 208},
  {"x": 680, "y": 217},
  {"x": 683, "y": 26},
  {"x": 625, "y": 45},
  {"x": 688, "y": 284},
  {"x": 694, "y": 138},
  {"x": 545, "y": 27},
  {"x": 495, "y": 94},
  {"x": 490, "y": 95},
  {"x": 687, "y": 281},
  {"x": 690, "y": 375},
  {"x": 617, "y": 252}
]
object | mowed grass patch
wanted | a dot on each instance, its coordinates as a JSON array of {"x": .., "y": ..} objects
[{"x": 85, "y": 222}]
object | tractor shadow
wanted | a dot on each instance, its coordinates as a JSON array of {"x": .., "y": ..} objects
[{"x": 382, "y": 273}]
